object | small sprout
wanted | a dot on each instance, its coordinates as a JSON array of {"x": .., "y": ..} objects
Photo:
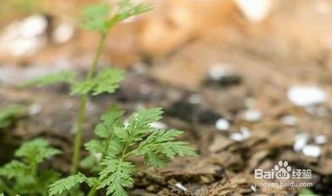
[
  {"x": 116, "y": 143},
  {"x": 117, "y": 140},
  {"x": 23, "y": 175}
]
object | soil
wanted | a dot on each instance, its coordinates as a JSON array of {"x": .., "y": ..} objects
[{"x": 266, "y": 63}]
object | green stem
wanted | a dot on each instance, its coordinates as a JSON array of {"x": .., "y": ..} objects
[
  {"x": 82, "y": 110},
  {"x": 92, "y": 191}
]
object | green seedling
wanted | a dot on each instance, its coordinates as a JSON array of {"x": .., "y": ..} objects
[
  {"x": 24, "y": 175},
  {"x": 117, "y": 141},
  {"x": 10, "y": 114}
]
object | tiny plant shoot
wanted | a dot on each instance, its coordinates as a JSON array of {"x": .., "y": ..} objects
[
  {"x": 23, "y": 175},
  {"x": 117, "y": 141}
]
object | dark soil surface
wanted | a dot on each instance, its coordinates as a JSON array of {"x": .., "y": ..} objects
[{"x": 266, "y": 61}]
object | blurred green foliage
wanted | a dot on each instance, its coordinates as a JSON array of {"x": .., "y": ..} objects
[{"x": 9, "y": 114}]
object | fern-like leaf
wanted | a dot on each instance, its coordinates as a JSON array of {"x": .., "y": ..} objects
[
  {"x": 36, "y": 151},
  {"x": 59, "y": 77},
  {"x": 14, "y": 169},
  {"x": 95, "y": 17},
  {"x": 107, "y": 81},
  {"x": 67, "y": 184},
  {"x": 116, "y": 176},
  {"x": 160, "y": 147}
]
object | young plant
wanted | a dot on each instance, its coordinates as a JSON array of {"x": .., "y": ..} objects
[
  {"x": 99, "y": 18},
  {"x": 23, "y": 176},
  {"x": 116, "y": 143}
]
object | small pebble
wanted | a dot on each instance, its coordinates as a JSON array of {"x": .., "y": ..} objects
[
  {"x": 240, "y": 136},
  {"x": 252, "y": 115},
  {"x": 34, "y": 25},
  {"x": 300, "y": 141},
  {"x": 255, "y": 10},
  {"x": 63, "y": 33},
  {"x": 158, "y": 125},
  {"x": 24, "y": 37},
  {"x": 320, "y": 139},
  {"x": 223, "y": 76},
  {"x": 289, "y": 120},
  {"x": 222, "y": 124},
  {"x": 311, "y": 151},
  {"x": 306, "y": 96},
  {"x": 218, "y": 71},
  {"x": 180, "y": 186}
]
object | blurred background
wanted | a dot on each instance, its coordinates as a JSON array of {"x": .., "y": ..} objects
[{"x": 248, "y": 80}]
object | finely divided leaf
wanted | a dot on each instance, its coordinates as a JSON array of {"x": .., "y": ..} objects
[
  {"x": 13, "y": 169},
  {"x": 66, "y": 184},
  {"x": 116, "y": 176},
  {"x": 144, "y": 118},
  {"x": 62, "y": 76},
  {"x": 36, "y": 151},
  {"x": 160, "y": 147},
  {"x": 128, "y": 9},
  {"x": 112, "y": 119},
  {"x": 107, "y": 81},
  {"x": 95, "y": 17},
  {"x": 95, "y": 146}
]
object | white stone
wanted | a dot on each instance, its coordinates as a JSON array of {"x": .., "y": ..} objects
[
  {"x": 63, "y": 33},
  {"x": 222, "y": 124},
  {"x": 240, "y": 136},
  {"x": 320, "y": 139},
  {"x": 180, "y": 186},
  {"x": 300, "y": 141},
  {"x": 25, "y": 37},
  {"x": 252, "y": 115},
  {"x": 306, "y": 96},
  {"x": 289, "y": 120},
  {"x": 218, "y": 71},
  {"x": 311, "y": 151},
  {"x": 254, "y": 10},
  {"x": 33, "y": 26},
  {"x": 25, "y": 46}
]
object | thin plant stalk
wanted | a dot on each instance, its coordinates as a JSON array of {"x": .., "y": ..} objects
[
  {"x": 82, "y": 107},
  {"x": 92, "y": 191}
]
